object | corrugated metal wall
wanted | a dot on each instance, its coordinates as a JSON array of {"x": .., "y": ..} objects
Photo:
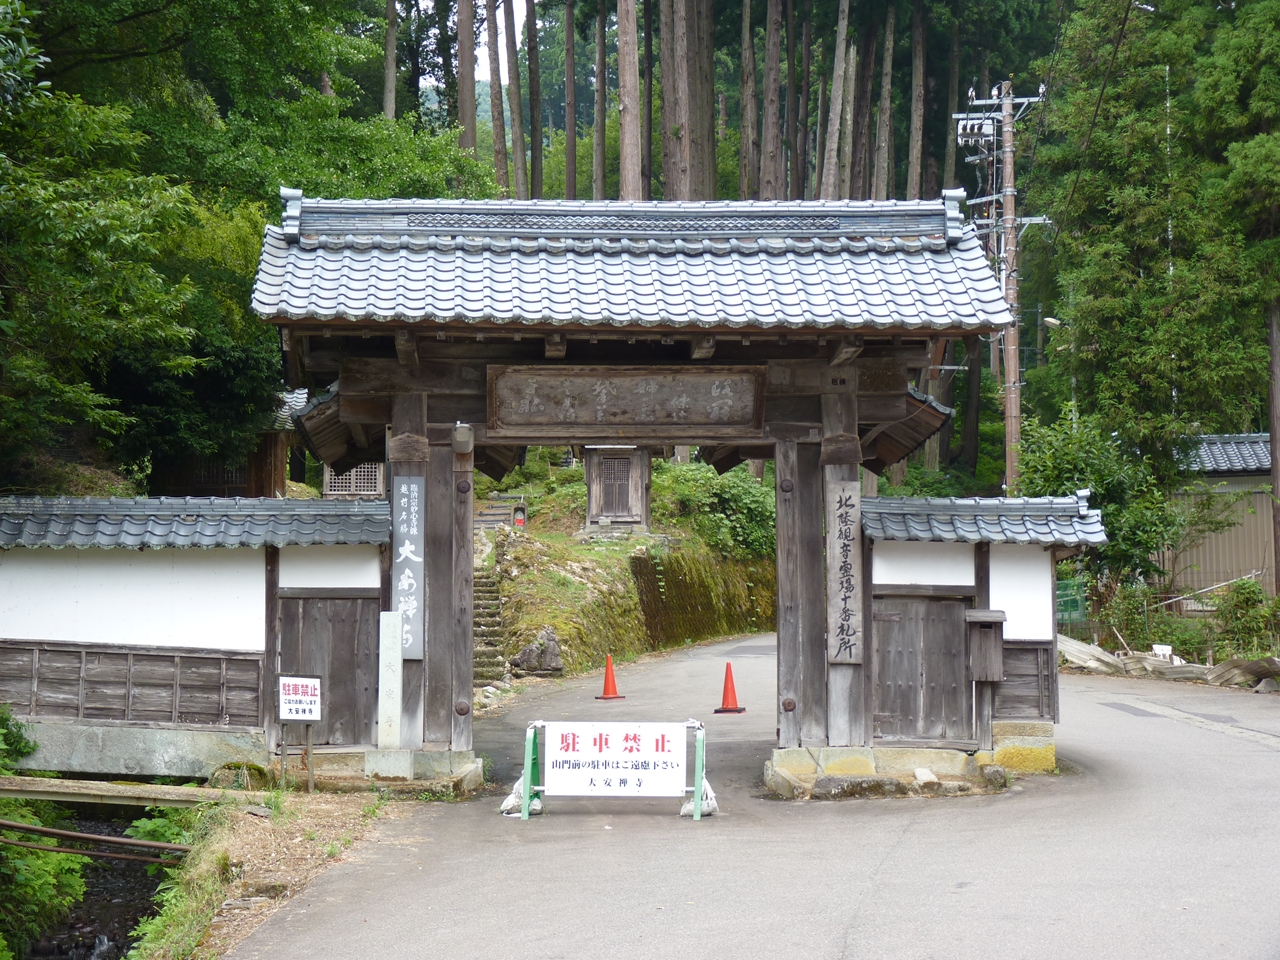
[{"x": 1244, "y": 549}]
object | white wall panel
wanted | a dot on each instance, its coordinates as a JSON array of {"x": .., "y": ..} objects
[
  {"x": 916, "y": 562},
  {"x": 214, "y": 599},
  {"x": 342, "y": 565},
  {"x": 1022, "y": 586}
]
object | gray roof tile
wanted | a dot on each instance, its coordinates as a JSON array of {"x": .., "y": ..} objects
[
  {"x": 189, "y": 522},
  {"x": 825, "y": 265},
  {"x": 1232, "y": 453},
  {"x": 1067, "y": 521}
]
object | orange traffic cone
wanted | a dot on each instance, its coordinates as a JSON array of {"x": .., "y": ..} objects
[
  {"x": 610, "y": 684},
  {"x": 729, "y": 702}
]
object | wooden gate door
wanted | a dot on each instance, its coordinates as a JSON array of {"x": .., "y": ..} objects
[
  {"x": 336, "y": 640},
  {"x": 922, "y": 685},
  {"x": 615, "y": 486}
]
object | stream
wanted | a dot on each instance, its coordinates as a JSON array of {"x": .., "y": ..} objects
[{"x": 118, "y": 893}]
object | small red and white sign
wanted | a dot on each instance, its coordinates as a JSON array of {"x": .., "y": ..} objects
[
  {"x": 300, "y": 699},
  {"x": 615, "y": 760}
]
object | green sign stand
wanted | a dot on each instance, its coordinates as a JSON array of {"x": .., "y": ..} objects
[{"x": 533, "y": 767}]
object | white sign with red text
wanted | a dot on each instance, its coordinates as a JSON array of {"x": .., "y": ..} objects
[
  {"x": 614, "y": 760},
  {"x": 300, "y": 699}
]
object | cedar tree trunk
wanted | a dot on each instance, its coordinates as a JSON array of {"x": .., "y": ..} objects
[
  {"x": 629, "y": 179},
  {"x": 535, "y": 99},
  {"x": 495, "y": 99},
  {"x": 570, "y": 107},
  {"x": 771, "y": 161},
  {"x": 515, "y": 102},
  {"x": 884, "y": 129},
  {"x": 389, "y": 62},
  {"x": 598, "y": 128},
  {"x": 467, "y": 74},
  {"x": 915, "y": 148}
]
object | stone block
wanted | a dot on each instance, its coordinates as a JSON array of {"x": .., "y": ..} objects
[
  {"x": 1027, "y": 754},
  {"x": 389, "y": 764},
  {"x": 783, "y": 784},
  {"x": 1021, "y": 728},
  {"x": 797, "y": 761},
  {"x": 840, "y": 788},
  {"x": 86, "y": 747},
  {"x": 903, "y": 761},
  {"x": 434, "y": 764},
  {"x": 847, "y": 761}
]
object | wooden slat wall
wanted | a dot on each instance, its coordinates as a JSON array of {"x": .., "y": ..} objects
[
  {"x": 142, "y": 684},
  {"x": 1029, "y": 690}
]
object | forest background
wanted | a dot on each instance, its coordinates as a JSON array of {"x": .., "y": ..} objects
[{"x": 143, "y": 144}]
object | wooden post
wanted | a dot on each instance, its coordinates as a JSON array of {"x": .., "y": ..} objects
[
  {"x": 844, "y": 675},
  {"x": 408, "y": 454},
  {"x": 438, "y": 710},
  {"x": 984, "y": 693},
  {"x": 789, "y": 573},
  {"x": 311, "y": 767},
  {"x": 463, "y": 547},
  {"x": 813, "y": 594},
  {"x": 268, "y": 705}
]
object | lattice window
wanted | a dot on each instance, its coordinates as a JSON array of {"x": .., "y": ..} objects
[
  {"x": 210, "y": 472},
  {"x": 362, "y": 480},
  {"x": 615, "y": 486}
]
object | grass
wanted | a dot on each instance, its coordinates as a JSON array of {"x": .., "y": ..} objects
[{"x": 190, "y": 895}]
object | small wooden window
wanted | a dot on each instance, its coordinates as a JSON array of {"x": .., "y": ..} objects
[{"x": 615, "y": 486}]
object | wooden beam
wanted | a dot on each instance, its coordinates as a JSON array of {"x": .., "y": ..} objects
[
  {"x": 358, "y": 434},
  {"x": 790, "y": 663},
  {"x": 462, "y": 640},
  {"x": 407, "y": 347},
  {"x": 702, "y": 348},
  {"x": 364, "y": 409},
  {"x": 268, "y": 707},
  {"x": 331, "y": 593},
  {"x": 922, "y": 590},
  {"x": 845, "y": 350},
  {"x": 556, "y": 345},
  {"x": 983, "y": 693}
]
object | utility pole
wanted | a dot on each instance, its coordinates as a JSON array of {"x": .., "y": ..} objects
[
  {"x": 998, "y": 184},
  {"x": 1012, "y": 366}
]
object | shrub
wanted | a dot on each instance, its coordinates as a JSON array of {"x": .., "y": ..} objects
[{"x": 1247, "y": 621}]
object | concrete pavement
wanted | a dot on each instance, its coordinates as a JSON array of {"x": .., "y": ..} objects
[{"x": 1160, "y": 844}]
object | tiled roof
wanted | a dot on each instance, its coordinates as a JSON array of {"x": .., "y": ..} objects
[
  {"x": 189, "y": 522},
  {"x": 1041, "y": 520},
  {"x": 823, "y": 265},
  {"x": 1232, "y": 453},
  {"x": 291, "y": 404}
]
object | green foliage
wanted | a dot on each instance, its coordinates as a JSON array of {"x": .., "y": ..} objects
[
  {"x": 1165, "y": 259},
  {"x": 80, "y": 233},
  {"x": 19, "y": 61},
  {"x": 14, "y": 743},
  {"x": 734, "y": 514},
  {"x": 1248, "y": 621},
  {"x": 1135, "y": 613},
  {"x": 1140, "y": 517},
  {"x": 37, "y": 889}
]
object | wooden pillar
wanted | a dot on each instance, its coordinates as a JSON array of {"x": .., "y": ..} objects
[
  {"x": 407, "y": 455},
  {"x": 463, "y": 547},
  {"x": 269, "y": 684},
  {"x": 438, "y": 712},
  {"x": 789, "y": 573},
  {"x": 813, "y": 598},
  {"x": 984, "y": 693},
  {"x": 846, "y": 691}
]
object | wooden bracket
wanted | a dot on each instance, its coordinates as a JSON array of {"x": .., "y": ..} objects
[
  {"x": 407, "y": 446},
  {"x": 841, "y": 448},
  {"x": 845, "y": 350},
  {"x": 702, "y": 348},
  {"x": 556, "y": 344},
  {"x": 407, "y": 347}
]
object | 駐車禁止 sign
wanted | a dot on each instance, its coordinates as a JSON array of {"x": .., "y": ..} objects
[
  {"x": 300, "y": 699},
  {"x": 614, "y": 760}
]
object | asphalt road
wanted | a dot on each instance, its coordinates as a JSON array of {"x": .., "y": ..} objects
[{"x": 1158, "y": 841}]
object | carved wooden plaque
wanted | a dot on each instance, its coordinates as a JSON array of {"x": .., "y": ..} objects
[{"x": 586, "y": 402}]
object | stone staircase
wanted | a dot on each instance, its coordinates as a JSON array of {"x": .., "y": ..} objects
[{"x": 489, "y": 665}]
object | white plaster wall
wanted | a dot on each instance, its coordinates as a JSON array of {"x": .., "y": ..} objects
[
  {"x": 342, "y": 565},
  {"x": 915, "y": 562},
  {"x": 1022, "y": 586},
  {"x": 213, "y": 599}
]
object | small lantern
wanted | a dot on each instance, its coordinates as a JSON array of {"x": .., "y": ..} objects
[
  {"x": 519, "y": 513},
  {"x": 986, "y": 644},
  {"x": 464, "y": 438}
]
